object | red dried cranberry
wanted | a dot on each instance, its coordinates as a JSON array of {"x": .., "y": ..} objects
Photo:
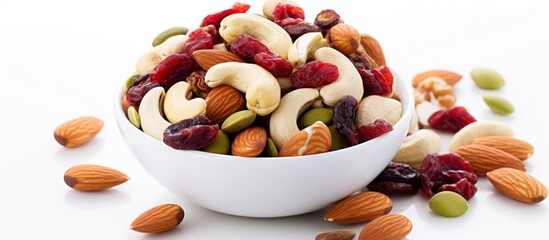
[
  {"x": 198, "y": 39},
  {"x": 246, "y": 47},
  {"x": 396, "y": 178},
  {"x": 215, "y": 18},
  {"x": 449, "y": 171},
  {"x": 275, "y": 64},
  {"x": 284, "y": 14},
  {"x": 375, "y": 81},
  {"x": 315, "y": 74},
  {"x": 462, "y": 187},
  {"x": 373, "y": 130},
  {"x": 296, "y": 30},
  {"x": 344, "y": 118},
  {"x": 386, "y": 72},
  {"x": 452, "y": 119},
  {"x": 191, "y": 134},
  {"x": 326, "y": 19},
  {"x": 138, "y": 88},
  {"x": 173, "y": 69}
]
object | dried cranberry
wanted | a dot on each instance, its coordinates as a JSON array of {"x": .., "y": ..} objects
[
  {"x": 344, "y": 118},
  {"x": 452, "y": 119},
  {"x": 198, "y": 39},
  {"x": 191, "y": 134},
  {"x": 440, "y": 172},
  {"x": 326, "y": 19},
  {"x": 246, "y": 47},
  {"x": 173, "y": 69},
  {"x": 138, "y": 88},
  {"x": 373, "y": 130},
  {"x": 275, "y": 64},
  {"x": 396, "y": 178},
  {"x": 315, "y": 74},
  {"x": 215, "y": 18},
  {"x": 296, "y": 30},
  {"x": 284, "y": 14},
  {"x": 386, "y": 72},
  {"x": 463, "y": 187}
]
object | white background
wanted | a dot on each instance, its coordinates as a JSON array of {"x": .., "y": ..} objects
[{"x": 64, "y": 59}]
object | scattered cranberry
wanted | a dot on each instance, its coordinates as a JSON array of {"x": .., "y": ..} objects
[
  {"x": 191, "y": 134},
  {"x": 344, "y": 118},
  {"x": 375, "y": 81},
  {"x": 452, "y": 119},
  {"x": 173, "y": 69},
  {"x": 246, "y": 47},
  {"x": 396, "y": 178},
  {"x": 373, "y": 130},
  {"x": 326, "y": 19},
  {"x": 275, "y": 64},
  {"x": 440, "y": 172},
  {"x": 286, "y": 14},
  {"x": 199, "y": 39},
  {"x": 296, "y": 30},
  {"x": 315, "y": 74}
]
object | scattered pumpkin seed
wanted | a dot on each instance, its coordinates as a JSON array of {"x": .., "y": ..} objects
[
  {"x": 448, "y": 204},
  {"x": 487, "y": 78},
  {"x": 499, "y": 104}
]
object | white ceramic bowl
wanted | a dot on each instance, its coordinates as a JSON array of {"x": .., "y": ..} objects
[{"x": 266, "y": 187}]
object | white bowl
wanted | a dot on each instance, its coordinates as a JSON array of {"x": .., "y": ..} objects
[{"x": 266, "y": 187}]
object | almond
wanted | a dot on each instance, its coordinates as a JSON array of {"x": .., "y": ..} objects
[
  {"x": 208, "y": 58},
  {"x": 449, "y": 77},
  {"x": 388, "y": 227},
  {"x": 89, "y": 177},
  {"x": 484, "y": 159},
  {"x": 158, "y": 219},
  {"x": 336, "y": 235},
  {"x": 222, "y": 101},
  {"x": 77, "y": 131},
  {"x": 373, "y": 48},
  {"x": 250, "y": 142},
  {"x": 344, "y": 38},
  {"x": 311, "y": 140},
  {"x": 359, "y": 208},
  {"x": 518, "y": 185},
  {"x": 518, "y": 148}
]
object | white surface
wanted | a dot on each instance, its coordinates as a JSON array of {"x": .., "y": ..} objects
[{"x": 63, "y": 59}]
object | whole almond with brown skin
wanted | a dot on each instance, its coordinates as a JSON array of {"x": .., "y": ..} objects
[
  {"x": 77, "y": 131},
  {"x": 90, "y": 177},
  {"x": 484, "y": 159},
  {"x": 222, "y": 101},
  {"x": 313, "y": 139},
  {"x": 516, "y": 147},
  {"x": 388, "y": 227},
  {"x": 208, "y": 58},
  {"x": 518, "y": 185},
  {"x": 373, "y": 48},
  {"x": 448, "y": 76},
  {"x": 336, "y": 235},
  {"x": 344, "y": 38},
  {"x": 159, "y": 219},
  {"x": 250, "y": 142},
  {"x": 359, "y": 208}
]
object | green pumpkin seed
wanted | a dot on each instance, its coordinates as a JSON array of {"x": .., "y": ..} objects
[
  {"x": 448, "y": 204},
  {"x": 498, "y": 104},
  {"x": 487, "y": 78},
  {"x": 338, "y": 140},
  {"x": 130, "y": 80},
  {"x": 168, "y": 33},
  {"x": 270, "y": 149},
  {"x": 238, "y": 121},
  {"x": 221, "y": 144},
  {"x": 316, "y": 114},
  {"x": 133, "y": 116}
]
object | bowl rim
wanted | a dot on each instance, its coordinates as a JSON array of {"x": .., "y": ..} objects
[{"x": 407, "y": 109}]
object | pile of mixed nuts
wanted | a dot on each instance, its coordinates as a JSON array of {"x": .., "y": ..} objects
[{"x": 291, "y": 88}]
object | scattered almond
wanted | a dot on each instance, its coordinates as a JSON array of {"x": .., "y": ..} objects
[
  {"x": 388, "y": 227},
  {"x": 336, "y": 235},
  {"x": 517, "y": 185},
  {"x": 250, "y": 142},
  {"x": 359, "y": 208},
  {"x": 208, "y": 58},
  {"x": 518, "y": 148},
  {"x": 77, "y": 131},
  {"x": 222, "y": 101},
  {"x": 89, "y": 177},
  {"x": 449, "y": 77},
  {"x": 311, "y": 140},
  {"x": 373, "y": 48},
  {"x": 158, "y": 219},
  {"x": 484, "y": 159}
]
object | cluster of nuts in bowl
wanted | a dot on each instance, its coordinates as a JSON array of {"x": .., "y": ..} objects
[{"x": 270, "y": 85}]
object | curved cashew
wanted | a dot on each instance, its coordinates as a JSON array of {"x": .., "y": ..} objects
[
  {"x": 150, "y": 111},
  {"x": 269, "y": 6},
  {"x": 377, "y": 107},
  {"x": 267, "y": 32},
  {"x": 261, "y": 87},
  {"x": 151, "y": 58},
  {"x": 304, "y": 47},
  {"x": 478, "y": 129},
  {"x": 283, "y": 122},
  {"x": 349, "y": 81},
  {"x": 416, "y": 146},
  {"x": 177, "y": 105}
]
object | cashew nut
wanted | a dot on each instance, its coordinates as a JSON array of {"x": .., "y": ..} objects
[
  {"x": 349, "y": 81},
  {"x": 416, "y": 146},
  {"x": 261, "y": 87},
  {"x": 414, "y": 124},
  {"x": 424, "y": 111},
  {"x": 283, "y": 122},
  {"x": 479, "y": 129},
  {"x": 150, "y": 111},
  {"x": 376, "y": 107},
  {"x": 267, "y": 32},
  {"x": 220, "y": 47},
  {"x": 304, "y": 47},
  {"x": 177, "y": 105},
  {"x": 148, "y": 61},
  {"x": 269, "y": 6},
  {"x": 443, "y": 92}
]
